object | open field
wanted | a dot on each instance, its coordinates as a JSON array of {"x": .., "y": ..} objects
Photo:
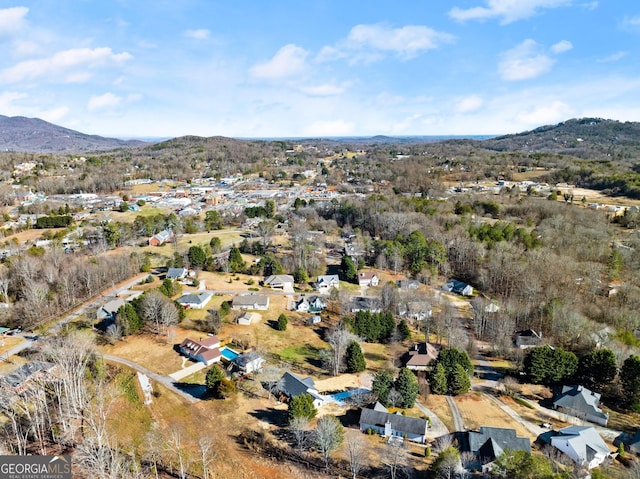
[
  {"x": 8, "y": 342},
  {"x": 438, "y": 405},
  {"x": 478, "y": 410},
  {"x": 11, "y": 364}
]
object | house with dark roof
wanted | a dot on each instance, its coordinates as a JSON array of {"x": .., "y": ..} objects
[
  {"x": 19, "y": 379},
  {"x": 458, "y": 287},
  {"x": 582, "y": 403},
  {"x": 248, "y": 362},
  {"x": 195, "y": 300},
  {"x": 310, "y": 304},
  {"x": 107, "y": 312},
  {"x": 365, "y": 303},
  {"x": 633, "y": 445},
  {"x": 177, "y": 273},
  {"x": 206, "y": 351},
  {"x": 420, "y": 356},
  {"x": 293, "y": 385},
  {"x": 489, "y": 443},
  {"x": 527, "y": 338},
  {"x": 381, "y": 421},
  {"x": 582, "y": 444},
  {"x": 405, "y": 284}
]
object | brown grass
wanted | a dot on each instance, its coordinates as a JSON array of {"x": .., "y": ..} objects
[
  {"x": 438, "y": 405},
  {"x": 8, "y": 342},
  {"x": 478, "y": 410}
]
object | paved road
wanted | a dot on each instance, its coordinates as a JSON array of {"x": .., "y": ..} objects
[
  {"x": 164, "y": 380},
  {"x": 458, "y": 421},
  {"x": 437, "y": 428}
]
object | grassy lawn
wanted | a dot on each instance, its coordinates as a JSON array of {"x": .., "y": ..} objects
[
  {"x": 376, "y": 356},
  {"x": 300, "y": 354},
  {"x": 8, "y": 342},
  {"x": 11, "y": 364},
  {"x": 438, "y": 405}
]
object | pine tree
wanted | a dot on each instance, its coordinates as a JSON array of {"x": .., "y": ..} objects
[
  {"x": 458, "y": 381},
  {"x": 630, "y": 379},
  {"x": 302, "y": 406},
  {"x": 348, "y": 269},
  {"x": 407, "y": 385},
  {"x": 381, "y": 385},
  {"x": 403, "y": 330},
  {"x": 438, "y": 380},
  {"x": 281, "y": 324},
  {"x": 214, "y": 377},
  {"x": 355, "y": 358}
]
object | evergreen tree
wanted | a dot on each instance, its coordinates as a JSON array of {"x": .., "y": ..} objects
[
  {"x": 407, "y": 385},
  {"x": 236, "y": 263},
  {"x": 348, "y": 269},
  {"x": 301, "y": 406},
  {"x": 355, "y": 358},
  {"x": 546, "y": 365},
  {"x": 281, "y": 323},
  {"x": 214, "y": 377},
  {"x": 215, "y": 244},
  {"x": 381, "y": 385},
  {"x": 129, "y": 320},
  {"x": 438, "y": 380},
  {"x": 197, "y": 256},
  {"x": 458, "y": 381},
  {"x": 213, "y": 220},
  {"x": 630, "y": 380},
  {"x": 597, "y": 368},
  {"x": 403, "y": 330}
]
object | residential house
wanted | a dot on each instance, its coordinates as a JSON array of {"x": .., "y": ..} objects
[
  {"x": 580, "y": 402},
  {"x": 249, "y": 362},
  {"x": 280, "y": 281},
  {"x": 293, "y": 385},
  {"x": 20, "y": 379},
  {"x": 417, "y": 310},
  {"x": 312, "y": 304},
  {"x": 251, "y": 301},
  {"x": 315, "y": 319},
  {"x": 195, "y": 300},
  {"x": 247, "y": 318},
  {"x": 458, "y": 287},
  {"x": 382, "y": 422},
  {"x": 368, "y": 278},
  {"x": 633, "y": 445},
  {"x": 177, "y": 273},
  {"x": 161, "y": 238},
  {"x": 206, "y": 351},
  {"x": 406, "y": 284},
  {"x": 107, "y": 312},
  {"x": 420, "y": 357},
  {"x": 582, "y": 444},
  {"x": 326, "y": 282},
  {"x": 527, "y": 338},
  {"x": 487, "y": 444},
  {"x": 365, "y": 303}
]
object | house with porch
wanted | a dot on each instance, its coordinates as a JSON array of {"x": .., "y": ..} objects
[
  {"x": 582, "y": 403},
  {"x": 250, "y": 301},
  {"x": 368, "y": 278},
  {"x": 382, "y": 422},
  {"x": 196, "y": 300},
  {"x": 582, "y": 444},
  {"x": 326, "y": 282},
  {"x": 284, "y": 282}
]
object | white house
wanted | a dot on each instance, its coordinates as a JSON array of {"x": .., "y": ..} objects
[
  {"x": 455, "y": 286},
  {"x": 313, "y": 304},
  {"x": 249, "y": 362},
  {"x": 326, "y": 282},
  {"x": 206, "y": 351},
  {"x": 251, "y": 301},
  {"x": 247, "y": 318},
  {"x": 368, "y": 278},
  {"x": 582, "y": 444},
  {"x": 284, "y": 282},
  {"x": 195, "y": 300},
  {"x": 380, "y": 420},
  {"x": 177, "y": 273}
]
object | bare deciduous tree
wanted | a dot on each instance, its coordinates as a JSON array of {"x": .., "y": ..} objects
[{"x": 355, "y": 449}]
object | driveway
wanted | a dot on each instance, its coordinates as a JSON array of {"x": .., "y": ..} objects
[{"x": 437, "y": 427}]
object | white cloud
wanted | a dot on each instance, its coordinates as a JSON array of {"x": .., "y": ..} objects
[
  {"x": 199, "y": 34},
  {"x": 108, "y": 101},
  {"x": 508, "y": 11},
  {"x": 7, "y": 98},
  {"x": 64, "y": 64},
  {"x": 12, "y": 19},
  {"x": 329, "y": 128},
  {"x": 614, "y": 57},
  {"x": 54, "y": 115},
  {"x": 288, "y": 62},
  {"x": 367, "y": 43},
  {"x": 546, "y": 114},
  {"x": 562, "y": 46},
  {"x": 326, "y": 89},
  {"x": 469, "y": 104},
  {"x": 523, "y": 62},
  {"x": 631, "y": 22}
]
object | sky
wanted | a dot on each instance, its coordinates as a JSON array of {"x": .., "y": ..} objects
[{"x": 318, "y": 68}]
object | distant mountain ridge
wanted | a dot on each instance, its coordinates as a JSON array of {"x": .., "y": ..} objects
[
  {"x": 586, "y": 138},
  {"x": 22, "y": 134}
]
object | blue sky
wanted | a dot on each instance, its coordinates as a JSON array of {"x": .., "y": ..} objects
[{"x": 285, "y": 68}]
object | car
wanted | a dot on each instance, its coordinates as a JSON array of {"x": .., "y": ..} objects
[{"x": 546, "y": 425}]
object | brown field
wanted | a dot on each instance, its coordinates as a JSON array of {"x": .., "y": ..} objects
[
  {"x": 8, "y": 342},
  {"x": 25, "y": 236},
  {"x": 478, "y": 410},
  {"x": 11, "y": 364},
  {"x": 438, "y": 405}
]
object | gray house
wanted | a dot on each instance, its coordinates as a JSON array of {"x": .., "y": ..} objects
[
  {"x": 293, "y": 386},
  {"x": 580, "y": 402},
  {"x": 582, "y": 444},
  {"x": 489, "y": 443},
  {"x": 380, "y": 420}
]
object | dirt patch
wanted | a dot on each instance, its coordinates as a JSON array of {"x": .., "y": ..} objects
[{"x": 477, "y": 410}]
